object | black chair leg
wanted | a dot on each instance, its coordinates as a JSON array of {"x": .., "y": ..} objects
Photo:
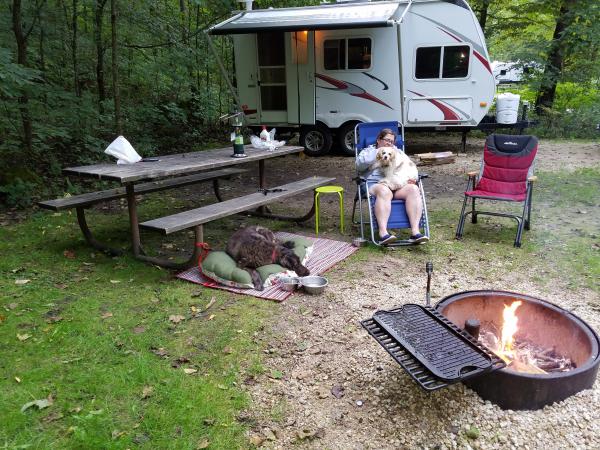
[
  {"x": 529, "y": 201},
  {"x": 461, "y": 221},
  {"x": 473, "y": 213}
]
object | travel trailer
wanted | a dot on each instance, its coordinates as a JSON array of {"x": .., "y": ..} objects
[{"x": 320, "y": 70}]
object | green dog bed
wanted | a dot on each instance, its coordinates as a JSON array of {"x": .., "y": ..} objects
[{"x": 220, "y": 267}]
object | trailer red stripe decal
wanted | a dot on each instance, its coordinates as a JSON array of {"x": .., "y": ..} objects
[
  {"x": 349, "y": 88},
  {"x": 484, "y": 61},
  {"x": 477, "y": 55},
  {"x": 448, "y": 113}
]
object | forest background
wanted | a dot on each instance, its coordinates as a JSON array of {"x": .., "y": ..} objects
[{"x": 75, "y": 74}]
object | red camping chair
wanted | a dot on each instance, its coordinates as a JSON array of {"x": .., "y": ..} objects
[{"x": 507, "y": 175}]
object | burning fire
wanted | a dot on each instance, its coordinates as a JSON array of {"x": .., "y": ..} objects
[
  {"x": 509, "y": 328},
  {"x": 522, "y": 355}
]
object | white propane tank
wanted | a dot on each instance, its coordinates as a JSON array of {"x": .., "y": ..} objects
[{"x": 507, "y": 107}]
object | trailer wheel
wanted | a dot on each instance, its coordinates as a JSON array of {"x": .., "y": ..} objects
[
  {"x": 316, "y": 140},
  {"x": 346, "y": 138}
]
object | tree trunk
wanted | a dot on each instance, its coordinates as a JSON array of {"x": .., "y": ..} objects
[
  {"x": 21, "y": 38},
  {"x": 74, "y": 51},
  {"x": 99, "y": 13},
  {"x": 554, "y": 63},
  {"x": 483, "y": 13},
  {"x": 115, "y": 67}
]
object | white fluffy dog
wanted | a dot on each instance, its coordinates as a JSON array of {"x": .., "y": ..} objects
[{"x": 397, "y": 168}]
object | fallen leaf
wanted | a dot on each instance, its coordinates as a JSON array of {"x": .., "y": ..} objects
[
  {"x": 76, "y": 409},
  {"x": 54, "y": 319},
  {"x": 193, "y": 309},
  {"x": 23, "y": 337},
  {"x": 106, "y": 315},
  {"x": 222, "y": 387},
  {"x": 257, "y": 440},
  {"x": 2, "y": 318},
  {"x": 41, "y": 404},
  {"x": 159, "y": 352},
  {"x": 69, "y": 254},
  {"x": 208, "y": 421},
  {"x": 337, "y": 391},
  {"x": 190, "y": 371},
  {"x": 176, "y": 318},
  {"x": 12, "y": 305},
  {"x": 212, "y": 302},
  {"x": 18, "y": 269},
  {"x": 204, "y": 443},
  {"x": 147, "y": 391},
  {"x": 21, "y": 282},
  {"x": 270, "y": 434},
  {"x": 116, "y": 434},
  {"x": 227, "y": 350},
  {"x": 138, "y": 330},
  {"x": 115, "y": 281},
  {"x": 52, "y": 417},
  {"x": 211, "y": 317},
  {"x": 17, "y": 379}
]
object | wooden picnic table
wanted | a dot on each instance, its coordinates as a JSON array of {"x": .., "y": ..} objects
[{"x": 183, "y": 164}]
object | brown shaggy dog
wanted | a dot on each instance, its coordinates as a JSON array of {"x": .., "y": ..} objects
[{"x": 256, "y": 246}]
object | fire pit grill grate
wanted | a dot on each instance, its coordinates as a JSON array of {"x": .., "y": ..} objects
[{"x": 432, "y": 350}]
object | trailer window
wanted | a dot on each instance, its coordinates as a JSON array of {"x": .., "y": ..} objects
[
  {"x": 428, "y": 62},
  {"x": 454, "y": 61},
  {"x": 334, "y": 53},
  {"x": 359, "y": 53},
  {"x": 342, "y": 54}
]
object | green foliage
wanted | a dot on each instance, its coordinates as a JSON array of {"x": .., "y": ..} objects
[
  {"x": 172, "y": 92},
  {"x": 18, "y": 193}
]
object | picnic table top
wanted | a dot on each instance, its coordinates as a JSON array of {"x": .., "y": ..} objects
[{"x": 177, "y": 164}]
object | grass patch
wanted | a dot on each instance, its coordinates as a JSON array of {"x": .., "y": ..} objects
[{"x": 93, "y": 334}]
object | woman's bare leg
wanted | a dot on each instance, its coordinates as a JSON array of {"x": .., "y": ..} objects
[
  {"x": 412, "y": 202},
  {"x": 383, "y": 206}
]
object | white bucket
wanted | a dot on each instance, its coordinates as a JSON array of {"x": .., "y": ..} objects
[{"x": 507, "y": 107}]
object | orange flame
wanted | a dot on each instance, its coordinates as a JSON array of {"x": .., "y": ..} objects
[{"x": 509, "y": 328}]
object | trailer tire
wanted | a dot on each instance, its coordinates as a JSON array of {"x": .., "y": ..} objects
[
  {"x": 346, "y": 138},
  {"x": 316, "y": 140}
]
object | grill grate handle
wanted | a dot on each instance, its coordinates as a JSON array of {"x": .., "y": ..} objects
[{"x": 429, "y": 269}]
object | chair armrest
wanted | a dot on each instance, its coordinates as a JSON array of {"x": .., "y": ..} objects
[
  {"x": 532, "y": 179},
  {"x": 472, "y": 174},
  {"x": 423, "y": 175},
  {"x": 359, "y": 179}
]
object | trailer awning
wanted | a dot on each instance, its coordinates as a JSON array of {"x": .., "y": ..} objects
[{"x": 324, "y": 17}]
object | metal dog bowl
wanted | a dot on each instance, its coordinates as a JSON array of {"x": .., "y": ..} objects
[
  {"x": 313, "y": 285},
  {"x": 289, "y": 284}
]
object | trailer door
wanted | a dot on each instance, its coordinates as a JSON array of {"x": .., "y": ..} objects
[
  {"x": 272, "y": 76},
  {"x": 301, "y": 77},
  {"x": 247, "y": 75}
]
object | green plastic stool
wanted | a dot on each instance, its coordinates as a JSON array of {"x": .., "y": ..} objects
[{"x": 339, "y": 190}]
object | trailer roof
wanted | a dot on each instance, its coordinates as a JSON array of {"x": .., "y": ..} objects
[{"x": 323, "y": 17}]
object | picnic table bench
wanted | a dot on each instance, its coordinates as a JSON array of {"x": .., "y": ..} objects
[
  {"x": 82, "y": 201},
  {"x": 208, "y": 213},
  {"x": 176, "y": 170}
]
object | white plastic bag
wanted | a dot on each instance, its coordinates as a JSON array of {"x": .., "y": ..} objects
[
  {"x": 258, "y": 143},
  {"x": 121, "y": 149}
]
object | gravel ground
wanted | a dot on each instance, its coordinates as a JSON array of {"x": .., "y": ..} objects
[{"x": 329, "y": 385}]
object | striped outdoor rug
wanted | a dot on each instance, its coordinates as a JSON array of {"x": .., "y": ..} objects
[{"x": 326, "y": 253}]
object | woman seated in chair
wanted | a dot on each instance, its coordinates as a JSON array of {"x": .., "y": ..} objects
[{"x": 410, "y": 193}]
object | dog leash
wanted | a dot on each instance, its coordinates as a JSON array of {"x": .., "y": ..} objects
[
  {"x": 266, "y": 191},
  {"x": 204, "y": 250}
]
